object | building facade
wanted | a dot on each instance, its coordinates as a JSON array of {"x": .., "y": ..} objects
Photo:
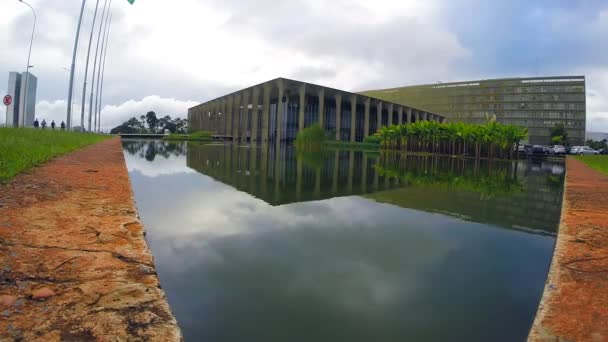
[
  {"x": 14, "y": 90},
  {"x": 278, "y": 109},
  {"x": 538, "y": 103},
  {"x": 27, "y": 102},
  {"x": 21, "y": 113}
]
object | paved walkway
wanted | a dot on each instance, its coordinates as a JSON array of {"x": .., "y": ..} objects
[
  {"x": 74, "y": 264},
  {"x": 575, "y": 302}
]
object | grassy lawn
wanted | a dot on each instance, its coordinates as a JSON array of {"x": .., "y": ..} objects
[
  {"x": 24, "y": 148},
  {"x": 599, "y": 163}
]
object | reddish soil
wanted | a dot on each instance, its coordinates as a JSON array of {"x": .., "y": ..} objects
[
  {"x": 74, "y": 264},
  {"x": 575, "y": 303}
]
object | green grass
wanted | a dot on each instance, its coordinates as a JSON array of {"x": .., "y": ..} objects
[
  {"x": 599, "y": 163},
  {"x": 201, "y": 135},
  {"x": 24, "y": 148}
]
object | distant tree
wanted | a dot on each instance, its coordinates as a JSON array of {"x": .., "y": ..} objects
[
  {"x": 133, "y": 125},
  {"x": 559, "y": 136},
  {"x": 597, "y": 145},
  {"x": 152, "y": 121}
]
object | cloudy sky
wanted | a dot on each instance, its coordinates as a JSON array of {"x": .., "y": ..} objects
[{"x": 169, "y": 55}]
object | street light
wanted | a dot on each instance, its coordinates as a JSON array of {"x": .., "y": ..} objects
[
  {"x": 71, "y": 86},
  {"x": 27, "y": 69}
]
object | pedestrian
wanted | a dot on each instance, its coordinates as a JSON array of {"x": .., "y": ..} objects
[
  {"x": 62, "y": 126},
  {"x": 53, "y": 125},
  {"x": 36, "y": 123},
  {"x": 43, "y": 123}
]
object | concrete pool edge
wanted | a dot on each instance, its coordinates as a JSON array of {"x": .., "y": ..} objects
[
  {"x": 574, "y": 305},
  {"x": 75, "y": 263}
]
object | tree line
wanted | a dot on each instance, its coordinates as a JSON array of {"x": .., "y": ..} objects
[
  {"x": 489, "y": 140},
  {"x": 150, "y": 123}
]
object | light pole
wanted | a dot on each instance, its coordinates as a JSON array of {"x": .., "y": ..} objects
[
  {"x": 103, "y": 14},
  {"x": 86, "y": 68},
  {"x": 71, "y": 86},
  {"x": 28, "y": 66},
  {"x": 103, "y": 43},
  {"x": 103, "y": 67}
]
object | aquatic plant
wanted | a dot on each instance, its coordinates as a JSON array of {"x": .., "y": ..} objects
[{"x": 489, "y": 140}]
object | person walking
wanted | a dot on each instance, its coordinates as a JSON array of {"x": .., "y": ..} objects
[
  {"x": 43, "y": 123},
  {"x": 62, "y": 126},
  {"x": 36, "y": 123},
  {"x": 53, "y": 125}
]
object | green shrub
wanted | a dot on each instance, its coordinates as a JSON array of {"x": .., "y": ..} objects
[
  {"x": 311, "y": 138},
  {"x": 372, "y": 139}
]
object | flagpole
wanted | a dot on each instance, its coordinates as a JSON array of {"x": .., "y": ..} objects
[
  {"x": 103, "y": 41},
  {"x": 71, "y": 86},
  {"x": 103, "y": 68},
  {"x": 103, "y": 14},
  {"x": 86, "y": 70}
]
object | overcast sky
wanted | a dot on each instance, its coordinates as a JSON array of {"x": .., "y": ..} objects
[{"x": 167, "y": 56}]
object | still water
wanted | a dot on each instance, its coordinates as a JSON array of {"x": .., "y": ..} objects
[{"x": 265, "y": 244}]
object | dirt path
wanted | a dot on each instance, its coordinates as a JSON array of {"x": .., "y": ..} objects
[
  {"x": 74, "y": 264},
  {"x": 575, "y": 302}
]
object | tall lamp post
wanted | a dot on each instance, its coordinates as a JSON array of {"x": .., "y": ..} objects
[
  {"x": 71, "y": 86},
  {"x": 27, "y": 69},
  {"x": 86, "y": 69}
]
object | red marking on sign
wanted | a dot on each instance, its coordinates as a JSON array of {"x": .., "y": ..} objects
[{"x": 8, "y": 100}]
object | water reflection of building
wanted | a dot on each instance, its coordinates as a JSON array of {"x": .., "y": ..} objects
[
  {"x": 278, "y": 109},
  {"x": 515, "y": 195}
]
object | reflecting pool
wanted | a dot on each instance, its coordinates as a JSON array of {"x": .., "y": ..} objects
[{"x": 267, "y": 244}]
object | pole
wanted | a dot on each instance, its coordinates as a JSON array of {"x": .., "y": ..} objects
[
  {"x": 103, "y": 13},
  {"x": 27, "y": 68},
  {"x": 71, "y": 87},
  {"x": 103, "y": 67},
  {"x": 86, "y": 68},
  {"x": 103, "y": 43}
]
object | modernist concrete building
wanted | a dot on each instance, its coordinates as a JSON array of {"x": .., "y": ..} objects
[
  {"x": 21, "y": 113},
  {"x": 276, "y": 110},
  {"x": 538, "y": 103}
]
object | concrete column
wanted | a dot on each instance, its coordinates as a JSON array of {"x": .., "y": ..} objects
[
  {"x": 226, "y": 116},
  {"x": 280, "y": 110},
  {"x": 379, "y": 110},
  {"x": 301, "y": 107},
  {"x": 334, "y": 178},
  {"x": 236, "y": 119},
  {"x": 317, "y": 183},
  {"x": 229, "y": 115},
  {"x": 409, "y": 115},
  {"x": 353, "y": 117},
  {"x": 299, "y": 172},
  {"x": 364, "y": 174},
  {"x": 418, "y": 115},
  {"x": 390, "y": 114},
  {"x": 425, "y": 116},
  {"x": 338, "y": 115},
  {"x": 351, "y": 171},
  {"x": 255, "y": 114},
  {"x": 245, "y": 119},
  {"x": 366, "y": 119},
  {"x": 400, "y": 113},
  {"x": 266, "y": 111},
  {"x": 322, "y": 107}
]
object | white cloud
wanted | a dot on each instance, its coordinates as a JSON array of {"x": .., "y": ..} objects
[{"x": 114, "y": 115}]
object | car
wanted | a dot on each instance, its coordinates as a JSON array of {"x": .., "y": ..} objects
[
  {"x": 548, "y": 150},
  {"x": 574, "y": 149},
  {"x": 586, "y": 150},
  {"x": 521, "y": 148},
  {"x": 559, "y": 149}
]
